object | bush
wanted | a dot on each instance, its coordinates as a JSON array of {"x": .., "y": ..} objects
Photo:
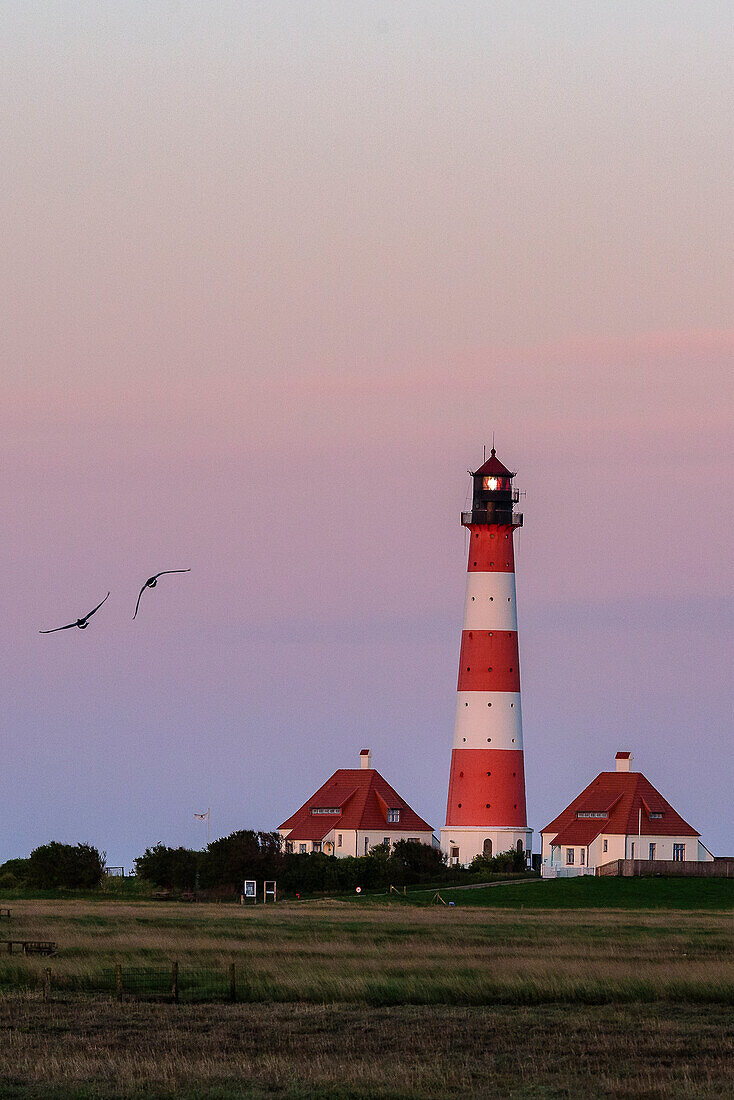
[
  {"x": 15, "y": 869},
  {"x": 511, "y": 861},
  {"x": 56, "y": 865}
]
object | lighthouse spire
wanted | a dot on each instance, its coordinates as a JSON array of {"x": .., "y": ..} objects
[{"x": 486, "y": 811}]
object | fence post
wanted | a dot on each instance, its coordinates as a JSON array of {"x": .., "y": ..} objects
[
  {"x": 174, "y": 983},
  {"x": 232, "y": 983},
  {"x": 118, "y": 980},
  {"x": 47, "y": 984}
]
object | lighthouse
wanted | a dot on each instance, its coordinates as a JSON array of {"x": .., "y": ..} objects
[{"x": 486, "y": 812}]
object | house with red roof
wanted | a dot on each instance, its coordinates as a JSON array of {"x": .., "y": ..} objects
[
  {"x": 355, "y": 810},
  {"x": 620, "y": 815}
]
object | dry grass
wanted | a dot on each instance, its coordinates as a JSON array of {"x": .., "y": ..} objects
[
  {"x": 391, "y": 955},
  {"x": 374, "y": 1001},
  {"x": 108, "y": 1050}
]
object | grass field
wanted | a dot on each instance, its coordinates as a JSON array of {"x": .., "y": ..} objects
[{"x": 380, "y": 998}]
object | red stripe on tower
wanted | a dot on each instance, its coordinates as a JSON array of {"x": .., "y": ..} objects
[{"x": 486, "y": 804}]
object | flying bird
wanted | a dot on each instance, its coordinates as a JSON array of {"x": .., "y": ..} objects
[
  {"x": 153, "y": 581},
  {"x": 82, "y": 623}
]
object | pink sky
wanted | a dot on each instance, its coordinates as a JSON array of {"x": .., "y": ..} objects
[{"x": 271, "y": 277}]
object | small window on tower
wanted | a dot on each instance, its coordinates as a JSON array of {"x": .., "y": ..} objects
[{"x": 393, "y": 815}]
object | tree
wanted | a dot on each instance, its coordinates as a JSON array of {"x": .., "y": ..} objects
[
  {"x": 412, "y": 861},
  {"x": 170, "y": 868},
  {"x": 243, "y": 854},
  {"x": 56, "y": 865}
]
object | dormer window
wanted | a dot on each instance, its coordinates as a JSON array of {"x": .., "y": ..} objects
[
  {"x": 325, "y": 810},
  {"x": 591, "y": 813},
  {"x": 393, "y": 815},
  {"x": 654, "y": 816}
]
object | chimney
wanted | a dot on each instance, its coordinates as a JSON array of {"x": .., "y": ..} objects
[
  {"x": 623, "y": 761},
  {"x": 365, "y": 758}
]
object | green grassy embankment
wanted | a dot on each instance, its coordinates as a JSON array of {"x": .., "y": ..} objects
[{"x": 588, "y": 892}]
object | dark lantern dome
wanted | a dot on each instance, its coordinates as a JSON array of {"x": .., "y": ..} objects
[{"x": 493, "y": 467}]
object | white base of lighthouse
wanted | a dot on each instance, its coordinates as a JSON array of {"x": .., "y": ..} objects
[{"x": 462, "y": 844}]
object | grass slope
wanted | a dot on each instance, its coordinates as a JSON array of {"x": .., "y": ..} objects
[{"x": 587, "y": 892}]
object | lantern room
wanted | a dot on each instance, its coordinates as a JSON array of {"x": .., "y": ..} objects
[{"x": 493, "y": 495}]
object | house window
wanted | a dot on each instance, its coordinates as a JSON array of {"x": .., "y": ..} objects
[
  {"x": 454, "y": 856},
  {"x": 569, "y": 857},
  {"x": 317, "y": 845},
  {"x": 338, "y": 840},
  {"x": 393, "y": 815},
  {"x": 289, "y": 846},
  {"x": 679, "y": 853},
  {"x": 487, "y": 849},
  {"x": 582, "y": 857},
  {"x": 605, "y": 845},
  {"x": 413, "y": 840},
  {"x": 386, "y": 841},
  {"x": 366, "y": 845},
  {"x": 652, "y": 852},
  {"x": 302, "y": 849},
  {"x": 633, "y": 850}
]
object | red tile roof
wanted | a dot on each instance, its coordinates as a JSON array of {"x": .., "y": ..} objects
[
  {"x": 627, "y": 799},
  {"x": 363, "y": 798}
]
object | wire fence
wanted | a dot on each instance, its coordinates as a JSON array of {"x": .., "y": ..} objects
[{"x": 174, "y": 983}]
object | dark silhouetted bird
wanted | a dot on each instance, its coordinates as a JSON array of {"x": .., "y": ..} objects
[
  {"x": 81, "y": 623},
  {"x": 153, "y": 581}
]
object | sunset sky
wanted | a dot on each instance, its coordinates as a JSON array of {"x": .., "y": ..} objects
[{"x": 272, "y": 275}]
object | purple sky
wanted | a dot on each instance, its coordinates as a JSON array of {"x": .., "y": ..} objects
[{"x": 272, "y": 274}]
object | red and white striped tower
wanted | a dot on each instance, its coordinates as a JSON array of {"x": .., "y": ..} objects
[{"x": 486, "y": 803}]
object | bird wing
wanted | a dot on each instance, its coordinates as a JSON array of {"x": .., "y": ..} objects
[
  {"x": 94, "y": 609},
  {"x": 165, "y": 571},
  {"x": 137, "y": 605},
  {"x": 67, "y": 627}
]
